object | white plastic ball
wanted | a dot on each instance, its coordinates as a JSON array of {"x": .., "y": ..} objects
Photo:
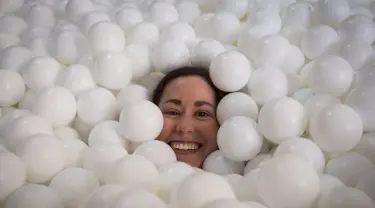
[
  {"x": 317, "y": 102},
  {"x": 230, "y": 71},
  {"x": 287, "y": 181},
  {"x": 170, "y": 54},
  {"x": 336, "y": 128},
  {"x": 204, "y": 51},
  {"x": 236, "y": 104},
  {"x": 331, "y": 75},
  {"x": 12, "y": 174},
  {"x": 163, "y": 14},
  {"x": 107, "y": 132},
  {"x": 126, "y": 18},
  {"x": 76, "y": 9},
  {"x": 225, "y": 27},
  {"x": 346, "y": 197},
  {"x": 266, "y": 84},
  {"x": 104, "y": 108},
  {"x": 23, "y": 127},
  {"x": 131, "y": 93},
  {"x": 239, "y": 139},
  {"x": 73, "y": 149},
  {"x": 140, "y": 58},
  {"x": 139, "y": 198},
  {"x": 237, "y": 7},
  {"x": 73, "y": 184},
  {"x": 273, "y": 51},
  {"x": 100, "y": 158},
  {"x": 41, "y": 14},
  {"x": 134, "y": 171},
  {"x": 7, "y": 40},
  {"x": 366, "y": 146},
  {"x": 141, "y": 121},
  {"x": 305, "y": 149},
  {"x": 348, "y": 167},
  {"x": 200, "y": 188},
  {"x": 256, "y": 162},
  {"x": 43, "y": 157},
  {"x": 222, "y": 203},
  {"x": 143, "y": 33},
  {"x": 11, "y": 5},
  {"x": 90, "y": 19},
  {"x": 106, "y": 36},
  {"x": 333, "y": 12},
  {"x": 76, "y": 78},
  {"x": 157, "y": 152},
  {"x": 56, "y": 104},
  {"x": 34, "y": 196},
  {"x": 366, "y": 184},
  {"x": 151, "y": 80},
  {"x": 12, "y": 88},
  {"x": 181, "y": 31},
  {"x": 318, "y": 40},
  {"x": 112, "y": 70},
  {"x": 216, "y": 162},
  {"x": 188, "y": 11},
  {"x": 357, "y": 52},
  {"x": 358, "y": 27},
  {"x": 282, "y": 118},
  {"x": 15, "y": 57},
  {"x": 103, "y": 196},
  {"x": 12, "y": 24},
  {"x": 41, "y": 72}
]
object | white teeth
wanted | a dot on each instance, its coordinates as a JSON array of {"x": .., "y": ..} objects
[{"x": 184, "y": 146}]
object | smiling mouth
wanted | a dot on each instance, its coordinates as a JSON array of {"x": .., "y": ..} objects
[{"x": 185, "y": 146}]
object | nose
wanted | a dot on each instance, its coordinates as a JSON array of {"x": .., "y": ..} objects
[{"x": 185, "y": 124}]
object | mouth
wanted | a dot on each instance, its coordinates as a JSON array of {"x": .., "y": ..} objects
[{"x": 185, "y": 147}]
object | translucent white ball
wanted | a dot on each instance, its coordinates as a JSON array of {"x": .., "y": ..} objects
[
  {"x": 365, "y": 183},
  {"x": 287, "y": 181},
  {"x": 222, "y": 203},
  {"x": 103, "y": 196},
  {"x": 200, "y": 188},
  {"x": 357, "y": 52},
  {"x": 126, "y": 18},
  {"x": 112, "y": 70},
  {"x": 12, "y": 173},
  {"x": 151, "y": 80},
  {"x": 12, "y": 24},
  {"x": 266, "y": 84},
  {"x": 180, "y": 31},
  {"x": 239, "y": 139},
  {"x": 163, "y": 14},
  {"x": 317, "y": 102},
  {"x": 134, "y": 171},
  {"x": 348, "y": 167},
  {"x": 7, "y": 40},
  {"x": 237, "y": 7},
  {"x": 143, "y": 33},
  {"x": 318, "y": 40},
  {"x": 273, "y": 51},
  {"x": 106, "y": 36},
  {"x": 236, "y": 104},
  {"x": 331, "y": 75},
  {"x": 21, "y": 128},
  {"x": 139, "y": 198},
  {"x": 225, "y": 27},
  {"x": 281, "y": 119},
  {"x": 41, "y": 72},
  {"x": 188, "y": 11},
  {"x": 91, "y": 18},
  {"x": 73, "y": 184},
  {"x": 56, "y": 104},
  {"x": 336, "y": 128},
  {"x": 216, "y": 162},
  {"x": 34, "y": 196},
  {"x": 366, "y": 146},
  {"x": 230, "y": 71},
  {"x": 107, "y": 132},
  {"x": 131, "y": 93},
  {"x": 41, "y": 14},
  {"x": 305, "y": 149},
  {"x": 158, "y": 152},
  {"x": 170, "y": 54},
  {"x": 204, "y": 51},
  {"x": 43, "y": 157},
  {"x": 141, "y": 121},
  {"x": 104, "y": 108},
  {"x": 140, "y": 58},
  {"x": 76, "y": 78},
  {"x": 73, "y": 149},
  {"x": 12, "y": 88},
  {"x": 358, "y": 27},
  {"x": 346, "y": 197},
  {"x": 333, "y": 12},
  {"x": 100, "y": 158},
  {"x": 256, "y": 162}
]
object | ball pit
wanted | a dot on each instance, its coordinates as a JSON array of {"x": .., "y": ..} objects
[{"x": 78, "y": 129}]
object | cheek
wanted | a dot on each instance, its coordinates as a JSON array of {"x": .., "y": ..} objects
[
  {"x": 210, "y": 133},
  {"x": 167, "y": 130}
]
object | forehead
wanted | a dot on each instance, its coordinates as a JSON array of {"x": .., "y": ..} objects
[{"x": 190, "y": 88}]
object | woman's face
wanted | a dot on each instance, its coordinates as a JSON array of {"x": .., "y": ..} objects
[{"x": 190, "y": 125}]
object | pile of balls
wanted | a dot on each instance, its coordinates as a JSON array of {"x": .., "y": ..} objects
[{"x": 77, "y": 129}]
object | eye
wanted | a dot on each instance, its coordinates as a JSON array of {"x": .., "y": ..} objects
[
  {"x": 172, "y": 112},
  {"x": 202, "y": 114}
]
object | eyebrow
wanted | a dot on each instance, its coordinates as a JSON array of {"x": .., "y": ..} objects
[{"x": 197, "y": 103}]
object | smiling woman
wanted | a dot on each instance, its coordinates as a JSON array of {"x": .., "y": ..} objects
[{"x": 188, "y": 100}]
